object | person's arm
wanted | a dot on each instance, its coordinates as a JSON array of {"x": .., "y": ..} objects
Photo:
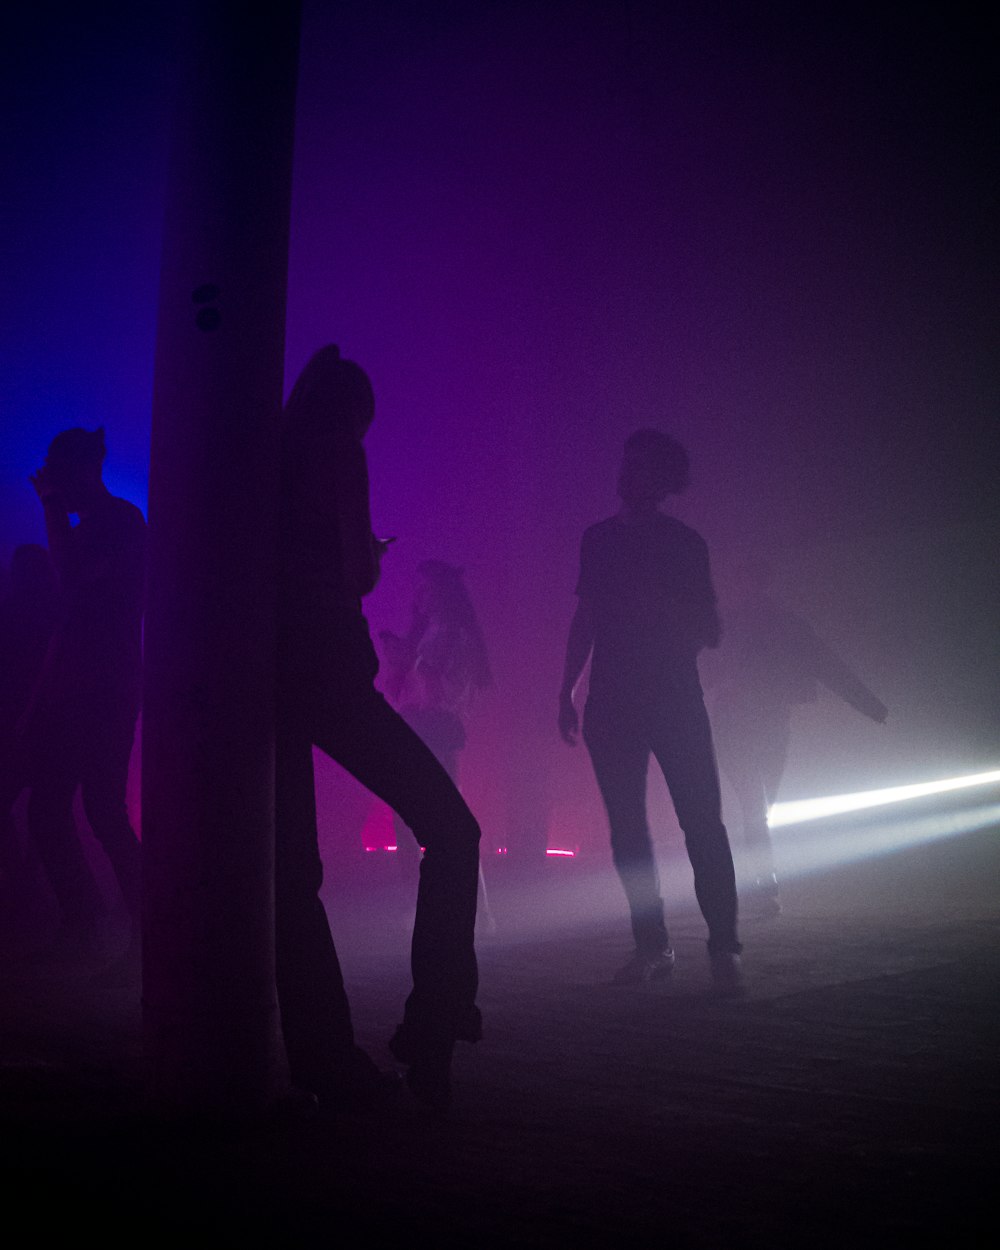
[
  {"x": 57, "y": 526},
  {"x": 709, "y": 626},
  {"x": 831, "y": 670},
  {"x": 357, "y": 543},
  {"x": 578, "y": 645},
  {"x": 58, "y": 532}
]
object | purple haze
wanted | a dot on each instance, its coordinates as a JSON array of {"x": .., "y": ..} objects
[{"x": 539, "y": 226}]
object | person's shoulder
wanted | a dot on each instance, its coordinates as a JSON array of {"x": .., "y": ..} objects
[
  {"x": 120, "y": 522},
  {"x": 600, "y": 540},
  {"x": 679, "y": 532},
  {"x": 610, "y": 525},
  {"x": 125, "y": 512}
]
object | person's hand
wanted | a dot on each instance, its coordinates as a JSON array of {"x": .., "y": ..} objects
[
  {"x": 42, "y": 482},
  {"x": 379, "y": 546},
  {"x": 569, "y": 722}
]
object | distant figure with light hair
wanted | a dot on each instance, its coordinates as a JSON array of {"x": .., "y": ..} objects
[
  {"x": 434, "y": 672},
  {"x": 771, "y": 662},
  {"x": 646, "y": 607}
]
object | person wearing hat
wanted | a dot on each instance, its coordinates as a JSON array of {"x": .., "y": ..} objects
[{"x": 78, "y": 728}]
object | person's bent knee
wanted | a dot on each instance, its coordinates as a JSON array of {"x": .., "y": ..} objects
[
  {"x": 464, "y": 832},
  {"x": 443, "y": 815}
]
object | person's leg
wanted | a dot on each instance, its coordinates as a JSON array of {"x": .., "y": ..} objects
[
  {"x": 775, "y": 743},
  {"x": 444, "y": 733},
  {"x": 408, "y": 855},
  {"x": 366, "y": 736},
  {"x": 53, "y": 834},
  {"x": 315, "y": 1015},
  {"x": 769, "y": 756},
  {"x": 19, "y": 893},
  {"x": 103, "y": 786},
  {"x": 741, "y": 764},
  {"x": 408, "y": 849},
  {"x": 774, "y": 740},
  {"x": 620, "y": 756},
  {"x": 12, "y": 866},
  {"x": 681, "y": 740}
]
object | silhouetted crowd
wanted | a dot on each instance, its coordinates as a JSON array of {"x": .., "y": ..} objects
[{"x": 70, "y": 685}]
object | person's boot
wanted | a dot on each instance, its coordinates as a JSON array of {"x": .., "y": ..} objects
[{"x": 646, "y": 966}]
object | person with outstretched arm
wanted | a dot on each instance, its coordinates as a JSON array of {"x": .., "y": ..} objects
[{"x": 772, "y": 661}]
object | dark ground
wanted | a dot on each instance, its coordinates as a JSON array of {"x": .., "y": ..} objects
[{"x": 849, "y": 1099}]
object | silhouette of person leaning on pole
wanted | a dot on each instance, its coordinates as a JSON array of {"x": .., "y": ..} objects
[
  {"x": 772, "y": 660},
  {"x": 646, "y": 608},
  {"x": 329, "y": 560},
  {"x": 78, "y": 727}
]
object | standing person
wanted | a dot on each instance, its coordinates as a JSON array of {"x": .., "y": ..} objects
[
  {"x": 646, "y": 608},
  {"x": 329, "y": 560},
  {"x": 28, "y": 616},
  {"x": 78, "y": 728},
  {"x": 434, "y": 673},
  {"x": 772, "y": 660}
]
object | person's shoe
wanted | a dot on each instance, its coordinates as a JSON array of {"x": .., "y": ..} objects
[
  {"x": 766, "y": 907},
  {"x": 409, "y": 1043},
  {"x": 360, "y": 1086},
  {"x": 727, "y": 973},
  {"x": 294, "y": 1106},
  {"x": 643, "y": 966},
  {"x": 368, "y": 1095},
  {"x": 761, "y": 899},
  {"x": 428, "y": 1061},
  {"x": 429, "y": 1081}
]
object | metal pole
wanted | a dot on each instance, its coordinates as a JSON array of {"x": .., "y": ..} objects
[{"x": 211, "y": 1019}]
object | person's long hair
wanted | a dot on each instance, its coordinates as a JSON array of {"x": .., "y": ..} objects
[
  {"x": 455, "y": 606},
  {"x": 328, "y": 391}
]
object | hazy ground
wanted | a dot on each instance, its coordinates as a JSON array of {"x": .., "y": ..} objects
[{"x": 849, "y": 1099}]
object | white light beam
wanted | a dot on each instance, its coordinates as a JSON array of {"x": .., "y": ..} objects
[{"x": 799, "y": 810}]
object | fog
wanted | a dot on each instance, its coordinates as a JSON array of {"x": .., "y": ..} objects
[{"x": 539, "y": 227}]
